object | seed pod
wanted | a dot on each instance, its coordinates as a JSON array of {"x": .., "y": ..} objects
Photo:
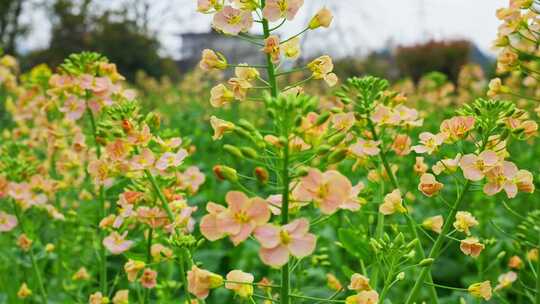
[{"x": 261, "y": 174}]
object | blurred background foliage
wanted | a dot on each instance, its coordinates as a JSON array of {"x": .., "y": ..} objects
[{"x": 122, "y": 34}]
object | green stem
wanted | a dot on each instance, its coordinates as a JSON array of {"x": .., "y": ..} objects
[
  {"x": 410, "y": 221},
  {"x": 285, "y": 280},
  {"x": 449, "y": 287},
  {"x": 387, "y": 282},
  {"x": 262, "y": 285},
  {"x": 317, "y": 299},
  {"x": 148, "y": 261},
  {"x": 183, "y": 255},
  {"x": 435, "y": 250},
  {"x": 537, "y": 301},
  {"x": 182, "y": 262},
  {"x": 379, "y": 230},
  {"x": 292, "y": 37},
  {"x": 269, "y": 64},
  {"x": 35, "y": 269},
  {"x": 102, "y": 210},
  {"x": 285, "y": 220}
]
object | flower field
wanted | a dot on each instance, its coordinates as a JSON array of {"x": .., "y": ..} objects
[{"x": 272, "y": 183}]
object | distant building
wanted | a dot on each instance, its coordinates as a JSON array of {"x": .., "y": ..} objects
[{"x": 235, "y": 50}]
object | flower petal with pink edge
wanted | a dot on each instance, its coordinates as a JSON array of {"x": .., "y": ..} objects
[
  {"x": 491, "y": 189},
  {"x": 302, "y": 246},
  {"x": 245, "y": 230},
  {"x": 229, "y": 224},
  {"x": 267, "y": 235},
  {"x": 297, "y": 228},
  {"x": 489, "y": 157},
  {"x": 259, "y": 211},
  {"x": 275, "y": 257},
  {"x": 210, "y": 228},
  {"x": 236, "y": 200},
  {"x": 511, "y": 189}
]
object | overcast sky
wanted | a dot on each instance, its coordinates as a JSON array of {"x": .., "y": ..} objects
[{"x": 359, "y": 25}]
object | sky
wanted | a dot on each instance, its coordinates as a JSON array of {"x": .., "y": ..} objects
[{"x": 359, "y": 25}]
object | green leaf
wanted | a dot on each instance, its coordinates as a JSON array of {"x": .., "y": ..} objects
[{"x": 355, "y": 243}]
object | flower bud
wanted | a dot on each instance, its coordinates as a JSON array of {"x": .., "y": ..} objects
[
  {"x": 375, "y": 245},
  {"x": 336, "y": 139},
  {"x": 337, "y": 156},
  {"x": 24, "y": 291},
  {"x": 212, "y": 60},
  {"x": 249, "y": 152},
  {"x": 301, "y": 171},
  {"x": 234, "y": 151},
  {"x": 49, "y": 247},
  {"x": 322, "y": 118},
  {"x": 426, "y": 262},
  {"x": 399, "y": 240},
  {"x": 225, "y": 173},
  {"x": 153, "y": 120},
  {"x": 412, "y": 244},
  {"x": 261, "y": 174},
  {"x": 322, "y": 18},
  {"x": 323, "y": 149},
  {"x": 246, "y": 125}
]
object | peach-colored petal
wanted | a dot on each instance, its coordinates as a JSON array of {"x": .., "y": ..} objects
[
  {"x": 229, "y": 224},
  {"x": 210, "y": 228},
  {"x": 259, "y": 211},
  {"x": 267, "y": 235},
  {"x": 276, "y": 257},
  {"x": 214, "y": 208},
  {"x": 491, "y": 189},
  {"x": 245, "y": 230},
  {"x": 303, "y": 246},
  {"x": 297, "y": 227},
  {"x": 236, "y": 200},
  {"x": 489, "y": 157},
  {"x": 511, "y": 189}
]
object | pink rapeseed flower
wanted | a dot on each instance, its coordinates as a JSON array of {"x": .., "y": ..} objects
[
  {"x": 243, "y": 215},
  {"x": 232, "y": 21},
  {"x": 277, "y": 9},
  {"x": 116, "y": 243},
  {"x": 278, "y": 243},
  {"x": 475, "y": 167},
  {"x": 7, "y": 222},
  {"x": 366, "y": 147},
  {"x": 169, "y": 159},
  {"x": 328, "y": 190}
]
